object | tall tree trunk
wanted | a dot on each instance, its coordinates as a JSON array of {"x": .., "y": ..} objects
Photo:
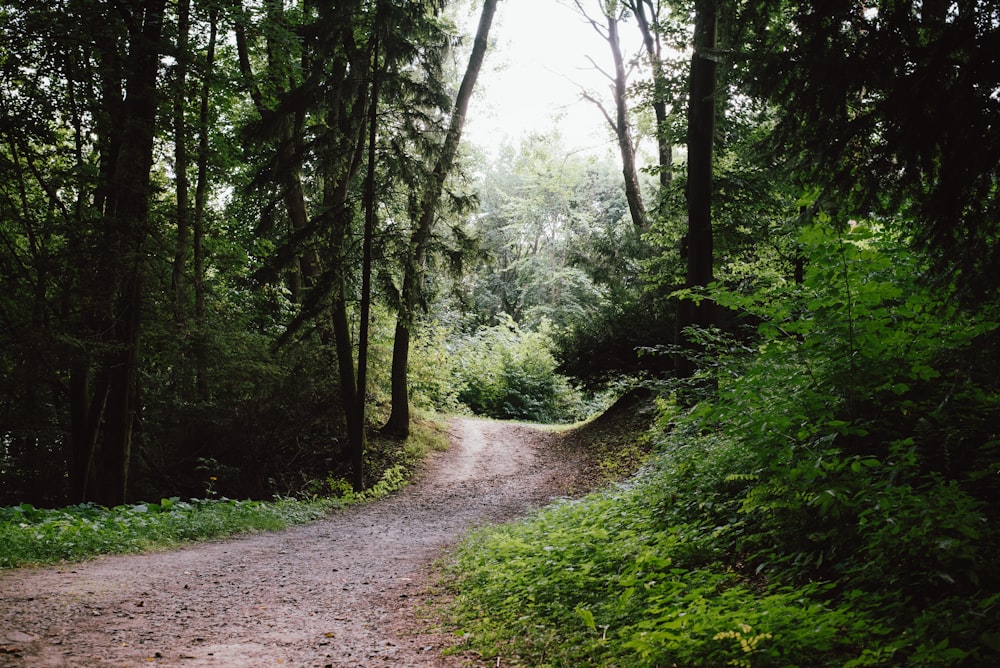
[
  {"x": 398, "y": 424},
  {"x": 127, "y": 226},
  {"x": 200, "y": 206},
  {"x": 357, "y": 456},
  {"x": 179, "y": 272},
  {"x": 336, "y": 196},
  {"x": 83, "y": 421},
  {"x": 701, "y": 133},
  {"x": 180, "y": 166}
]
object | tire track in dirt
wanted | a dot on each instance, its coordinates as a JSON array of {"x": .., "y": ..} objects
[{"x": 340, "y": 592}]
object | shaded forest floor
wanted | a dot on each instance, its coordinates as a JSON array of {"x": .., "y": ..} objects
[{"x": 349, "y": 590}]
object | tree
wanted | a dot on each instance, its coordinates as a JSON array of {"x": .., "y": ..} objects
[
  {"x": 398, "y": 423},
  {"x": 104, "y": 82},
  {"x": 551, "y": 227},
  {"x": 369, "y": 83},
  {"x": 906, "y": 94},
  {"x": 652, "y": 27},
  {"x": 697, "y": 245},
  {"x": 200, "y": 208},
  {"x": 612, "y": 14}
]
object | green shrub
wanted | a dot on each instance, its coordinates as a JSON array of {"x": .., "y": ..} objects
[
  {"x": 432, "y": 370},
  {"x": 505, "y": 372}
]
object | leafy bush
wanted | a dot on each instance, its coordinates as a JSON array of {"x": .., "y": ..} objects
[
  {"x": 601, "y": 582},
  {"x": 432, "y": 369},
  {"x": 613, "y": 342},
  {"x": 505, "y": 372}
]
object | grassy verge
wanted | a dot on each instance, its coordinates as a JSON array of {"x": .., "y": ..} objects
[{"x": 34, "y": 536}]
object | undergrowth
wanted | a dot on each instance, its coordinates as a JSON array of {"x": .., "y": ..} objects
[
  {"x": 829, "y": 500},
  {"x": 34, "y": 536}
]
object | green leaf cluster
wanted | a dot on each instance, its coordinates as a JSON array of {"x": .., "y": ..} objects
[{"x": 507, "y": 372}]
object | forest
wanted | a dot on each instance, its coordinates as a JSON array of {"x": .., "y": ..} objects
[{"x": 245, "y": 251}]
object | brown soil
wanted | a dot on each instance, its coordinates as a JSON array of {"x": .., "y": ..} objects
[{"x": 345, "y": 591}]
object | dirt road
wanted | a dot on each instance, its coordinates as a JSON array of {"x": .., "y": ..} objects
[{"x": 345, "y": 591}]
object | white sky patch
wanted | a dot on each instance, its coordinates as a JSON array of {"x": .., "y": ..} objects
[{"x": 531, "y": 80}]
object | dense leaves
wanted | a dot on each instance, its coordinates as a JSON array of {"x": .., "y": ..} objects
[
  {"x": 826, "y": 482},
  {"x": 891, "y": 107},
  {"x": 825, "y": 491}
]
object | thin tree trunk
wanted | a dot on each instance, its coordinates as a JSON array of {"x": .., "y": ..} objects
[
  {"x": 652, "y": 45},
  {"x": 356, "y": 436},
  {"x": 180, "y": 167},
  {"x": 357, "y": 456},
  {"x": 200, "y": 205},
  {"x": 179, "y": 281},
  {"x": 633, "y": 193},
  {"x": 619, "y": 123},
  {"x": 398, "y": 424}
]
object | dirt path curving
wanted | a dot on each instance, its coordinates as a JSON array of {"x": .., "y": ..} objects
[{"x": 340, "y": 592}]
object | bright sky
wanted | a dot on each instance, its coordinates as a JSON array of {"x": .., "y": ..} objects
[{"x": 532, "y": 77}]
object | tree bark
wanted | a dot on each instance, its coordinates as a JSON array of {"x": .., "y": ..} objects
[
  {"x": 127, "y": 228},
  {"x": 398, "y": 424},
  {"x": 633, "y": 192},
  {"x": 183, "y": 215},
  {"x": 360, "y": 402},
  {"x": 619, "y": 124},
  {"x": 200, "y": 206},
  {"x": 701, "y": 134},
  {"x": 179, "y": 271}
]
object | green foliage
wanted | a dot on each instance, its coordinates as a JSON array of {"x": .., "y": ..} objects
[
  {"x": 30, "y": 535},
  {"x": 831, "y": 504},
  {"x": 505, "y": 372},
  {"x": 601, "y": 582},
  {"x": 432, "y": 370},
  {"x": 847, "y": 87},
  {"x": 554, "y": 234},
  {"x": 234, "y": 358},
  {"x": 613, "y": 343}
]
